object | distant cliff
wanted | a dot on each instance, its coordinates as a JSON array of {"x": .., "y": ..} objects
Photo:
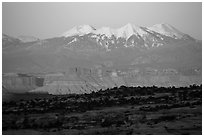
[
  {"x": 21, "y": 82},
  {"x": 85, "y": 80}
]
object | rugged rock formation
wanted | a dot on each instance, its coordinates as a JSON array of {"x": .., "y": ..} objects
[{"x": 85, "y": 80}]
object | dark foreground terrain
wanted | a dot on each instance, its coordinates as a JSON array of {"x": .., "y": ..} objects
[{"x": 124, "y": 110}]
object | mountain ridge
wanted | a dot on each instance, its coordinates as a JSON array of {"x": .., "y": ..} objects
[
  {"x": 125, "y": 31},
  {"x": 87, "y": 62}
]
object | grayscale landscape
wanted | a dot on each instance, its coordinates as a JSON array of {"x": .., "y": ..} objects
[{"x": 103, "y": 80}]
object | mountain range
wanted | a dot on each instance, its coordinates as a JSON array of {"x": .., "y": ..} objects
[{"x": 105, "y": 57}]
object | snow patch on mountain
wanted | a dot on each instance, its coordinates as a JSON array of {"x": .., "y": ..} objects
[
  {"x": 125, "y": 31},
  {"x": 75, "y": 39},
  {"x": 141, "y": 31}
]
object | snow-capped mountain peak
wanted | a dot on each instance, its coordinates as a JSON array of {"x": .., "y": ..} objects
[
  {"x": 126, "y": 31},
  {"x": 167, "y": 30},
  {"x": 79, "y": 30}
]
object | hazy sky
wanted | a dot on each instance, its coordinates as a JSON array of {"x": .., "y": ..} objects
[{"x": 45, "y": 20}]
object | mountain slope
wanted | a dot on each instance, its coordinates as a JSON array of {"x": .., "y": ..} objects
[
  {"x": 27, "y": 38},
  {"x": 167, "y": 30},
  {"x": 90, "y": 59},
  {"x": 9, "y": 41}
]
